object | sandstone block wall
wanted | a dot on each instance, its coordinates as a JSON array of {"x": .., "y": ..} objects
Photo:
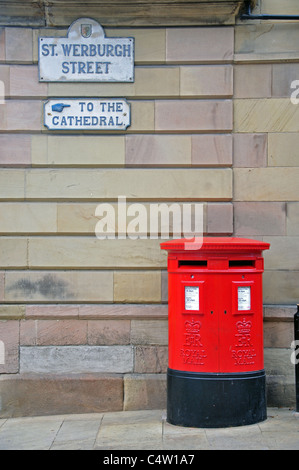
[{"x": 84, "y": 321}]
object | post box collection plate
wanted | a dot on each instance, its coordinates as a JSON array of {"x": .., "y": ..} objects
[
  {"x": 244, "y": 298},
  {"x": 215, "y": 331},
  {"x": 191, "y": 298}
]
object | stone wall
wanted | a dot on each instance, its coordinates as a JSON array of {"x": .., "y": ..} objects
[
  {"x": 266, "y": 125},
  {"x": 84, "y": 321}
]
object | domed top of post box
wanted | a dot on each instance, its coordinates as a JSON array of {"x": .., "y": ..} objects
[{"x": 219, "y": 244}]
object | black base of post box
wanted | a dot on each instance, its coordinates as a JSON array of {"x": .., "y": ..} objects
[{"x": 215, "y": 400}]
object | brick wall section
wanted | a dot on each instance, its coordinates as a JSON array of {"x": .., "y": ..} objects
[{"x": 212, "y": 124}]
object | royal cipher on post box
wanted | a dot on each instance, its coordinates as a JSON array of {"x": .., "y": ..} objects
[{"x": 215, "y": 375}]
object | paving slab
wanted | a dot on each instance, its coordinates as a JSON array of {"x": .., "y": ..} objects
[
  {"x": 78, "y": 432},
  {"x": 29, "y": 433},
  {"x": 130, "y": 430},
  {"x": 145, "y": 430},
  {"x": 241, "y": 438}
]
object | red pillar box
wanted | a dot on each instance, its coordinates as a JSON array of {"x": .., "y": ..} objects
[{"x": 215, "y": 374}]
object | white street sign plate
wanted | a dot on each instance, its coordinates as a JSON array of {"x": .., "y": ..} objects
[
  {"x": 87, "y": 114},
  {"x": 86, "y": 55}
]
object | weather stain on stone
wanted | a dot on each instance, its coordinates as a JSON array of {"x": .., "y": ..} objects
[{"x": 49, "y": 287}]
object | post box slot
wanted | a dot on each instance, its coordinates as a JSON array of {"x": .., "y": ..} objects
[
  {"x": 195, "y": 263},
  {"x": 240, "y": 263}
]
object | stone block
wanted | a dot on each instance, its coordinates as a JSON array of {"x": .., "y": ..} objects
[
  {"x": 12, "y": 312},
  {"x": 278, "y": 334},
  {"x": 141, "y": 220},
  {"x": 164, "y": 286},
  {"x": 77, "y": 218},
  {"x": 56, "y": 311},
  {"x": 265, "y": 115},
  {"x": 197, "y": 45},
  {"x": 157, "y": 184},
  {"x": 293, "y": 219},
  {"x": 158, "y": 150},
  {"x": 280, "y": 374},
  {"x": 24, "y": 82},
  {"x": 76, "y": 359},
  {"x": 108, "y": 332},
  {"x": 4, "y": 81},
  {"x": 78, "y": 150},
  {"x": 250, "y": 150},
  {"x": 55, "y": 286},
  {"x": 276, "y": 313},
  {"x": 23, "y": 14},
  {"x": 137, "y": 286},
  {"x": 283, "y": 149},
  {"x": 265, "y": 41},
  {"x": 157, "y": 81},
  {"x": 280, "y": 391},
  {"x": 92, "y": 89},
  {"x": 283, "y": 76},
  {"x": 123, "y": 311},
  {"x": 211, "y": 150},
  {"x": 266, "y": 184},
  {"x": 280, "y": 287},
  {"x": 28, "y": 332},
  {"x": 15, "y": 150},
  {"x": 2, "y": 44},
  {"x": 88, "y": 252},
  {"x": 142, "y": 116},
  {"x": 146, "y": 332},
  {"x": 18, "y": 45},
  {"x": 252, "y": 81},
  {"x": 150, "y": 44},
  {"x": 278, "y": 362},
  {"x": 42, "y": 394},
  {"x": 39, "y": 150},
  {"x": 151, "y": 359},
  {"x": 9, "y": 347},
  {"x": 219, "y": 218},
  {"x": 206, "y": 81},
  {"x": 12, "y": 184},
  {"x": 193, "y": 115},
  {"x": 259, "y": 218},
  {"x": 273, "y": 7},
  {"x": 144, "y": 392},
  {"x": 53, "y": 332},
  {"x": 1, "y": 286},
  {"x": 25, "y": 218},
  {"x": 283, "y": 253},
  {"x": 21, "y": 115},
  {"x": 13, "y": 252}
]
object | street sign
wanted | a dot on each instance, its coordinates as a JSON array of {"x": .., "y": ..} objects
[
  {"x": 86, "y": 55},
  {"x": 87, "y": 114}
]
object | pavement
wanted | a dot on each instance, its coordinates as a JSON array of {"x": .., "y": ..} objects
[{"x": 145, "y": 430}]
